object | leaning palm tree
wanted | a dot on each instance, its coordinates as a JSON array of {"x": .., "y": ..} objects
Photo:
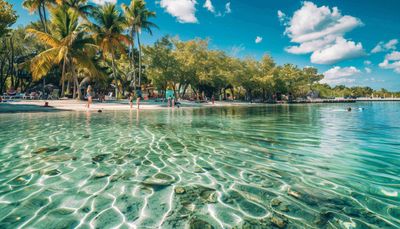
[
  {"x": 40, "y": 7},
  {"x": 107, "y": 31},
  {"x": 138, "y": 20},
  {"x": 67, "y": 44}
]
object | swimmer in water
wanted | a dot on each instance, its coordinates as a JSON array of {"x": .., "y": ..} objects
[{"x": 349, "y": 109}]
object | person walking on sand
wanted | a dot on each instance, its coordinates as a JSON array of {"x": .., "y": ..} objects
[
  {"x": 138, "y": 102},
  {"x": 89, "y": 96},
  {"x": 131, "y": 98},
  {"x": 213, "y": 99}
]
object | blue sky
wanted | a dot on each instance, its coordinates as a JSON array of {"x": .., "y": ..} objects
[{"x": 352, "y": 42}]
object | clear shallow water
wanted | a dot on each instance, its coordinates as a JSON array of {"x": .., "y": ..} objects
[{"x": 277, "y": 166}]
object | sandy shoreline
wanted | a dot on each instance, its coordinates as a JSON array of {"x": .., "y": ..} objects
[
  {"x": 123, "y": 105},
  {"x": 19, "y": 106}
]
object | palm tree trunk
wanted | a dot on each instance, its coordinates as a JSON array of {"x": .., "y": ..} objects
[
  {"x": 140, "y": 61},
  {"x": 133, "y": 58},
  {"x": 44, "y": 17},
  {"x": 63, "y": 77},
  {"x": 115, "y": 74},
  {"x": 41, "y": 19},
  {"x": 78, "y": 88},
  {"x": 76, "y": 83},
  {"x": 74, "y": 90},
  {"x": 44, "y": 84}
]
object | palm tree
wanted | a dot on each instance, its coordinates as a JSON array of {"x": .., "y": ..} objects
[
  {"x": 107, "y": 29},
  {"x": 138, "y": 20},
  {"x": 39, "y": 6},
  {"x": 130, "y": 13},
  {"x": 67, "y": 44},
  {"x": 80, "y": 6}
]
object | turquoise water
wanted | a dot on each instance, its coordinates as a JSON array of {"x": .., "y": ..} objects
[{"x": 301, "y": 166}]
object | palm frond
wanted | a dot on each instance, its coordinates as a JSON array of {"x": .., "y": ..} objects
[
  {"x": 31, "y": 5},
  {"x": 42, "y": 63},
  {"x": 44, "y": 38},
  {"x": 82, "y": 61}
]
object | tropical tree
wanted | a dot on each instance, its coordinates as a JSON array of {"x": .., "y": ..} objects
[
  {"x": 265, "y": 79},
  {"x": 80, "y": 6},
  {"x": 130, "y": 13},
  {"x": 311, "y": 76},
  {"x": 107, "y": 31},
  {"x": 138, "y": 20},
  {"x": 67, "y": 44},
  {"x": 16, "y": 49},
  {"x": 39, "y": 6},
  {"x": 7, "y": 17},
  {"x": 162, "y": 65}
]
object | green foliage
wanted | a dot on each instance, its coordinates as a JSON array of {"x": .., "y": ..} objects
[
  {"x": 192, "y": 64},
  {"x": 7, "y": 17},
  {"x": 137, "y": 20},
  {"x": 16, "y": 49},
  {"x": 107, "y": 30},
  {"x": 67, "y": 45},
  {"x": 325, "y": 91},
  {"x": 162, "y": 63}
]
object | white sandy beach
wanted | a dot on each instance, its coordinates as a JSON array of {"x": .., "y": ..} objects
[{"x": 74, "y": 105}]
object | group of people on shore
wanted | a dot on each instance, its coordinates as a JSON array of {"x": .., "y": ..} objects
[
  {"x": 132, "y": 98},
  {"x": 172, "y": 102}
]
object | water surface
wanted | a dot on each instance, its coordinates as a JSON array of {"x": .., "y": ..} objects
[{"x": 314, "y": 166}]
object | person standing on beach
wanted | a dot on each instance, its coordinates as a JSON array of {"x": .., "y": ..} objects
[
  {"x": 169, "y": 101},
  {"x": 213, "y": 99},
  {"x": 89, "y": 96},
  {"x": 138, "y": 102},
  {"x": 131, "y": 97}
]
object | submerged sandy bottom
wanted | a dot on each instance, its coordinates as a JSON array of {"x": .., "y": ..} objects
[{"x": 232, "y": 167}]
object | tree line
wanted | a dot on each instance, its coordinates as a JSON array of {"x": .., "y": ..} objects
[{"x": 75, "y": 44}]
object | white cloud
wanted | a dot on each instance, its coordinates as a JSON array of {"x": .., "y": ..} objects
[
  {"x": 312, "y": 22},
  {"x": 378, "y": 48},
  {"x": 338, "y": 75},
  {"x": 391, "y": 61},
  {"x": 311, "y": 46},
  {"x": 340, "y": 50},
  {"x": 102, "y": 2},
  {"x": 320, "y": 30},
  {"x": 258, "y": 39},
  {"x": 228, "y": 9},
  {"x": 183, "y": 10},
  {"x": 368, "y": 70},
  {"x": 393, "y": 56},
  {"x": 382, "y": 46},
  {"x": 282, "y": 17},
  {"x": 209, "y": 6},
  {"x": 367, "y": 62},
  {"x": 372, "y": 79},
  {"x": 391, "y": 44}
]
